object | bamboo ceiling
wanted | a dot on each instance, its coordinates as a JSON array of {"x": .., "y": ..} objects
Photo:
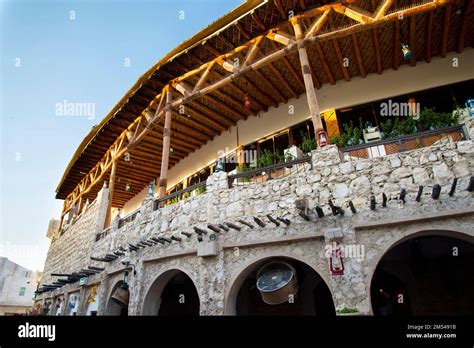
[{"x": 343, "y": 31}]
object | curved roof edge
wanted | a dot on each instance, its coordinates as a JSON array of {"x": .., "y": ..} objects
[{"x": 226, "y": 19}]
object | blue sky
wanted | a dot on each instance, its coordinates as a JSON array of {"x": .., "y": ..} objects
[{"x": 50, "y": 54}]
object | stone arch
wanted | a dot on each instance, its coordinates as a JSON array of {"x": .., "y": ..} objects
[
  {"x": 241, "y": 273},
  {"x": 151, "y": 302},
  {"x": 112, "y": 308},
  {"x": 409, "y": 234}
]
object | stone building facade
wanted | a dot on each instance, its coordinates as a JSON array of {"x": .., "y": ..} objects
[{"x": 219, "y": 274}]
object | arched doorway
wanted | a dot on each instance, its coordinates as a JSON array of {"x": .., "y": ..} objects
[
  {"x": 172, "y": 294},
  {"x": 118, "y": 307},
  {"x": 310, "y": 294},
  {"x": 427, "y": 274}
]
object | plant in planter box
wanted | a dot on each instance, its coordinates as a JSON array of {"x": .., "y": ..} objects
[{"x": 308, "y": 144}]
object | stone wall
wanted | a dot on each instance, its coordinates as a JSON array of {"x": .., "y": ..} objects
[
  {"x": 71, "y": 251},
  {"x": 217, "y": 277}
]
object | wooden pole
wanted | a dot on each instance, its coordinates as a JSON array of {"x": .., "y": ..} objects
[
  {"x": 113, "y": 171},
  {"x": 166, "y": 147},
  {"x": 308, "y": 79}
]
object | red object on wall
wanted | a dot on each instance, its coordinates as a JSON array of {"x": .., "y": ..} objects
[
  {"x": 336, "y": 263},
  {"x": 247, "y": 102},
  {"x": 322, "y": 138}
]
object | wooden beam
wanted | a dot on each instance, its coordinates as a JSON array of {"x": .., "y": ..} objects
[
  {"x": 292, "y": 70},
  {"x": 376, "y": 42},
  {"x": 396, "y": 45},
  {"x": 258, "y": 21},
  {"x": 308, "y": 80},
  {"x": 465, "y": 22},
  {"x": 429, "y": 32},
  {"x": 280, "y": 9},
  {"x": 383, "y": 9},
  {"x": 360, "y": 62},
  {"x": 337, "y": 49},
  {"x": 113, "y": 171},
  {"x": 326, "y": 68},
  {"x": 318, "y": 24},
  {"x": 444, "y": 40},
  {"x": 244, "y": 32},
  {"x": 163, "y": 182},
  {"x": 285, "y": 83},
  {"x": 413, "y": 41},
  {"x": 366, "y": 23}
]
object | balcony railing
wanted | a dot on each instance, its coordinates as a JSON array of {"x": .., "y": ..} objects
[
  {"x": 174, "y": 197},
  {"x": 128, "y": 218},
  {"x": 274, "y": 171},
  {"x": 405, "y": 143}
]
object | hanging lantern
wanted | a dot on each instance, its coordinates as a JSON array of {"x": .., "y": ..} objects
[
  {"x": 407, "y": 55},
  {"x": 322, "y": 138},
  {"x": 336, "y": 264},
  {"x": 171, "y": 151},
  {"x": 219, "y": 165},
  {"x": 276, "y": 282},
  {"x": 470, "y": 107},
  {"x": 247, "y": 102},
  {"x": 151, "y": 188},
  {"x": 128, "y": 187}
]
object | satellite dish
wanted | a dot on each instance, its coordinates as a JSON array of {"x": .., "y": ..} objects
[{"x": 276, "y": 281}]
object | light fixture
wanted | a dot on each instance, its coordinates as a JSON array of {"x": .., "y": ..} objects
[
  {"x": 322, "y": 138},
  {"x": 128, "y": 187},
  {"x": 470, "y": 187},
  {"x": 453, "y": 187},
  {"x": 436, "y": 191},
  {"x": 402, "y": 195},
  {"x": 372, "y": 202},
  {"x": 420, "y": 192},
  {"x": 407, "y": 55}
]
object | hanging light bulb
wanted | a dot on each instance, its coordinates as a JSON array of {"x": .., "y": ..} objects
[
  {"x": 407, "y": 55},
  {"x": 128, "y": 187},
  {"x": 171, "y": 151}
]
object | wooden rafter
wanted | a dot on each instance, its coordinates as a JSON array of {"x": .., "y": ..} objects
[
  {"x": 429, "y": 32},
  {"x": 360, "y": 62},
  {"x": 413, "y": 41},
  {"x": 396, "y": 45},
  {"x": 465, "y": 22},
  {"x": 337, "y": 49},
  {"x": 444, "y": 40},
  {"x": 142, "y": 125}
]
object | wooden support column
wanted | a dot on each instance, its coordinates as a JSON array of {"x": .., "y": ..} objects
[
  {"x": 307, "y": 77},
  {"x": 163, "y": 182},
  {"x": 113, "y": 171}
]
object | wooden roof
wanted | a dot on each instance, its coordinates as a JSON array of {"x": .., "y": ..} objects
[{"x": 429, "y": 34}]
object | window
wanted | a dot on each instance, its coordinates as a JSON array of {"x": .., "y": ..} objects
[{"x": 22, "y": 291}]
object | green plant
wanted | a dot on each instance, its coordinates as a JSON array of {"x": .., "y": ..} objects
[
  {"x": 265, "y": 159},
  {"x": 337, "y": 139},
  {"x": 307, "y": 144},
  {"x": 200, "y": 190},
  {"x": 346, "y": 310},
  {"x": 431, "y": 119}
]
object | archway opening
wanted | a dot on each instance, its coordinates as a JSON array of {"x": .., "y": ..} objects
[
  {"x": 309, "y": 295},
  {"x": 172, "y": 294},
  {"x": 427, "y": 275},
  {"x": 117, "y": 305}
]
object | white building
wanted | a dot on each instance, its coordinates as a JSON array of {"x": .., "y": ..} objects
[{"x": 17, "y": 287}]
